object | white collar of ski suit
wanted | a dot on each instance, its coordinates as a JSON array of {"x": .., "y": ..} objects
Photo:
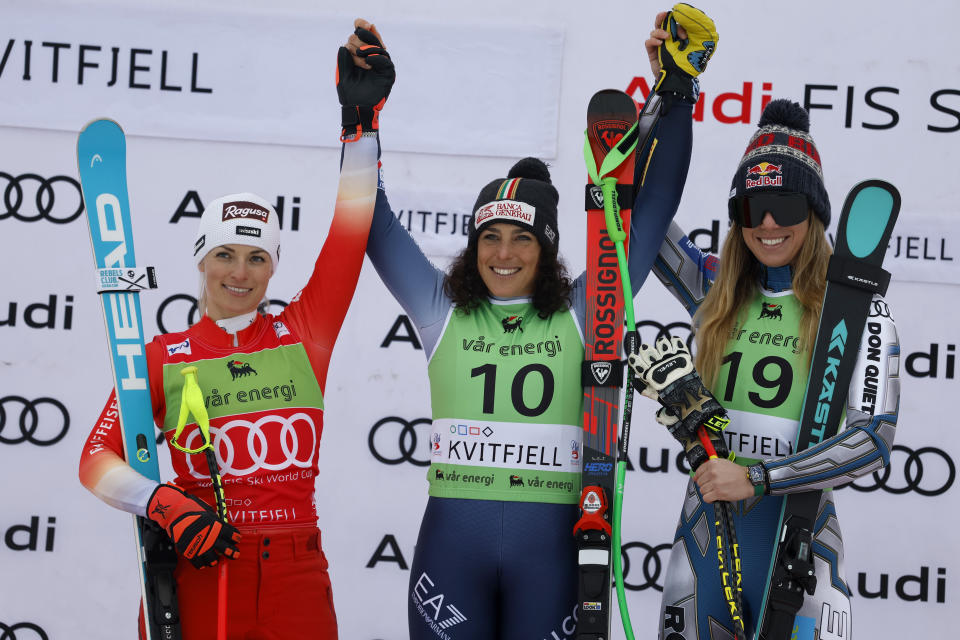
[
  {"x": 504, "y": 301},
  {"x": 236, "y": 324}
]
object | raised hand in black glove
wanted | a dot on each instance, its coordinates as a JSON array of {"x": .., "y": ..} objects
[
  {"x": 197, "y": 533},
  {"x": 365, "y": 75},
  {"x": 667, "y": 371}
]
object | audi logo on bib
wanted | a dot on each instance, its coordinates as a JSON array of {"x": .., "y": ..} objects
[
  {"x": 928, "y": 471},
  {"x": 29, "y": 197},
  {"x": 394, "y": 440},
  {"x": 23, "y": 420},
  {"x": 22, "y": 631},
  {"x": 269, "y": 443}
]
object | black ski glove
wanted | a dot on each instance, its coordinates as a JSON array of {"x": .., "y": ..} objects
[
  {"x": 197, "y": 533},
  {"x": 363, "y": 92},
  {"x": 667, "y": 371},
  {"x": 683, "y": 59}
]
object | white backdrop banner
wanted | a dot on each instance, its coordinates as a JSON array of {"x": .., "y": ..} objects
[
  {"x": 438, "y": 221},
  {"x": 267, "y": 78},
  {"x": 926, "y": 248},
  {"x": 477, "y": 87}
]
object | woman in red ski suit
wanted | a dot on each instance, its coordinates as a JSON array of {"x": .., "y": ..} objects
[{"x": 263, "y": 379}]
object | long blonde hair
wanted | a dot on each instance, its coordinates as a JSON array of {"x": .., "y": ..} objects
[{"x": 737, "y": 284}]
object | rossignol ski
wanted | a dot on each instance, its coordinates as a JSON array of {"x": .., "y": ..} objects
[
  {"x": 854, "y": 275},
  {"x": 612, "y": 137},
  {"x": 101, "y": 159},
  {"x": 610, "y": 116}
]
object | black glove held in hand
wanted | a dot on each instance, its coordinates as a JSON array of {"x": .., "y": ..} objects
[
  {"x": 667, "y": 370},
  {"x": 197, "y": 533},
  {"x": 363, "y": 92}
]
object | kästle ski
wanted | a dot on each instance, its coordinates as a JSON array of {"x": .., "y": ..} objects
[
  {"x": 612, "y": 136},
  {"x": 854, "y": 275},
  {"x": 101, "y": 159}
]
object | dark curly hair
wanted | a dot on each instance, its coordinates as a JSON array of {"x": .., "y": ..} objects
[{"x": 552, "y": 286}]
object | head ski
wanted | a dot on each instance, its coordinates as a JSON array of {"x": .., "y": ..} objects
[{"x": 101, "y": 159}]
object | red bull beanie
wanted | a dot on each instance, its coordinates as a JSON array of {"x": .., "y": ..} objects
[
  {"x": 781, "y": 156},
  {"x": 525, "y": 198},
  {"x": 240, "y": 218}
]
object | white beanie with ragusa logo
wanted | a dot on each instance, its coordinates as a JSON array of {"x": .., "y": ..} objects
[{"x": 240, "y": 218}]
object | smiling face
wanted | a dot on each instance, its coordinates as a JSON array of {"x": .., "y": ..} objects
[
  {"x": 773, "y": 245},
  {"x": 235, "y": 279},
  {"x": 507, "y": 258}
]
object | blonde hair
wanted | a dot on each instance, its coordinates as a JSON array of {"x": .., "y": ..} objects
[
  {"x": 202, "y": 300},
  {"x": 737, "y": 284},
  {"x": 202, "y": 291}
]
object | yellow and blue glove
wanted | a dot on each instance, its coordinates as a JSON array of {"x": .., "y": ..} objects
[{"x": 683, "y": 59}]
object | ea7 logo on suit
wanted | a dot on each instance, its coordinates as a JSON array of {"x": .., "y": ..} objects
[{"x": 430, "y": 605}]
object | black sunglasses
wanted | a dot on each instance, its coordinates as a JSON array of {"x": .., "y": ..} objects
[{"x": 787, "y": 209}]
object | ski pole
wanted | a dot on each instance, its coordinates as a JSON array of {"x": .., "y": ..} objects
[
  {"x": 707, "y": 444},
  {"x": 191, "y": 401},
  {"x": 699, "y": 447},
  {"x": 727, "y": 547}
]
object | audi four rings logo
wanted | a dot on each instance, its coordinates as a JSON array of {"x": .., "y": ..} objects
[
  {"x": 9, "y": 631},
  {"x": 394, "y": 440},
  {"x": 178, "y": 318},
  {"x": 179, "y": 311},
  {"x": 651, "y": 566},
  {"x": 29, "y": 197},
  {"x": 42, "y": 427},
  {"x": 680, "y": 329},
  {"x": 880, "y": 310},
  {"x": 247, "y": 450},
  {"x": 928, "y": 471}
]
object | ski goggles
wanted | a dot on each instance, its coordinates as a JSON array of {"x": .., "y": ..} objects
[{"x": 787, "y": 209}]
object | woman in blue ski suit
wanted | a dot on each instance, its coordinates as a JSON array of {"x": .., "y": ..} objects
[
  {"x": 755, "y": 314},
  {"x": 496, "y": 557}
]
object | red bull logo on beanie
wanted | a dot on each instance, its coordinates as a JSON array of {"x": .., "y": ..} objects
[
  {"x": 761, "y": 175},
  {"x": 764, "y": 168},
  {"x": 245, "y": 210},
  {"x": 506, "y": 210}
]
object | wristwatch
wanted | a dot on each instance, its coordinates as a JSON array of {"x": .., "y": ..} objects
[{"x": 757, "y": 475}]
